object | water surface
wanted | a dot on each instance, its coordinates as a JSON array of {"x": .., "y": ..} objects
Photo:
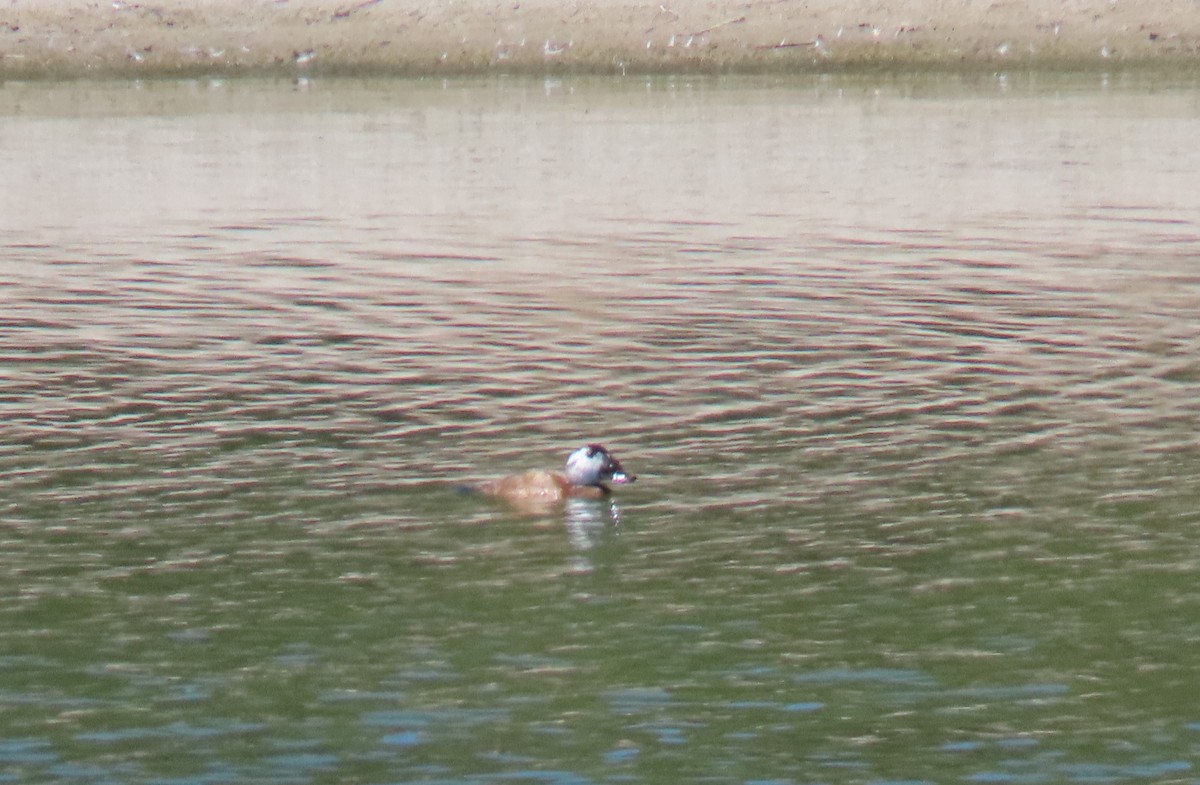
[{"x": 907, "y": 368}]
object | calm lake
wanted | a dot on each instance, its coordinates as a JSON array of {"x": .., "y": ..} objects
[{"x": 908, "y": 367}]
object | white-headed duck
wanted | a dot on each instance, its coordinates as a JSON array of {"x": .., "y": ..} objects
[{"x": 590, "y": 469}]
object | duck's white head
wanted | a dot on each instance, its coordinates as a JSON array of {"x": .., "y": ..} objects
[{"x": 593, "y": 465}]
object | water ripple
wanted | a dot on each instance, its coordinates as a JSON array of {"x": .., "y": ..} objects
[{"x": 915, "y": 434}]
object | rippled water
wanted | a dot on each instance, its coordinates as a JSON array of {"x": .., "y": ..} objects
[{"x": 909, "y": 370}]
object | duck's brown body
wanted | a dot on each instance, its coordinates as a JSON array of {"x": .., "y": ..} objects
[{"x": 540, "y": 487}]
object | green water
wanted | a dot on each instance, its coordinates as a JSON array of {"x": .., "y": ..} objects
[{"x": 908, "y": 373}]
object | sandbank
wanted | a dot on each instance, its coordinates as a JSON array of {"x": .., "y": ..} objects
[{"x": 163, "y": 38}]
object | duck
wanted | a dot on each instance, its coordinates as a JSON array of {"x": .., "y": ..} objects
[{"x": 589, "y": 472}]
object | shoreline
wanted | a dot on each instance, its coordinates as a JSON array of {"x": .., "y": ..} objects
[{"x": 41, "y": 39}]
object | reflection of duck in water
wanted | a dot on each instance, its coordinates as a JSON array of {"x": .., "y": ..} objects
[{"x": 589, "y": 471}]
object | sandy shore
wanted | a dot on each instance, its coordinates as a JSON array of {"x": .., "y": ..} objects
[{"x": 64, "y": 38}]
